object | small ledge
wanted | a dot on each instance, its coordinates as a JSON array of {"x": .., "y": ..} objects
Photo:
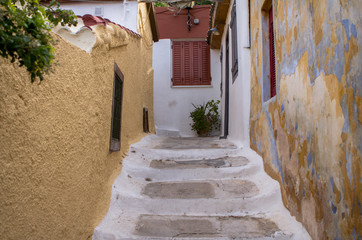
[
  {"x": 266, "y": 103},
  {"x": 193, "y": 86}
]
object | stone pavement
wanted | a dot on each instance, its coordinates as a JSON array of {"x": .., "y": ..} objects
[{"x": 195, "y": 188}]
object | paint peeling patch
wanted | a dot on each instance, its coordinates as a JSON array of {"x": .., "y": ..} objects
[
  {"x": 310, "y": 158},
  {"x": 345, "y": 23},
  {"x": 338, "y": 67},
  {"x": 332, "y": 183},
  {"x": 290, "y": 68},
  {"x": 344, "y": 106},
  {"x": 347, "y": 47},
  {"x": 349, "y": 164},
  {"x": 259, "y": 147},
  {"x": 275, "y": 159},
  {"x": 353, "y": 30},
  {"x": 334, "y": 208}
]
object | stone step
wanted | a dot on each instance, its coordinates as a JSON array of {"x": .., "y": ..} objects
[
  {"x": 156, "y": 168},
  {"x": 177, "y": 143},
  {"x": 157, "y": 175},
  {"x": 155, "y": 226},
  {"x": 205, "y": 227},
  {"x": 199, "y": 197},
  {"x": 173, "y": 188}
]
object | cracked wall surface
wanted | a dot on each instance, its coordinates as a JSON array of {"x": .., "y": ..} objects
[
  {"x": 310, "y": 133},
  {"x": 56, "y": 171}
]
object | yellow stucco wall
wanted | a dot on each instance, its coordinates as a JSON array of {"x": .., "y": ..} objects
[
  {"x": 310, "y": 134},
  {"x": 56, "y": 171}
]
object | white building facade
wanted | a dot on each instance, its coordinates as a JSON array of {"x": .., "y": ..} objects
[
  {"x": 234, "y": 52},
  {"x": 119, "y": 12},
  {"x": 173, "y": 104},
  {"x": 173, "y": 98}
]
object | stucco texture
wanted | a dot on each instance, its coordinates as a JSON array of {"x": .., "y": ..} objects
[
  {"x": 310, "y": 133},
  {"x": 56, "y": 170}
]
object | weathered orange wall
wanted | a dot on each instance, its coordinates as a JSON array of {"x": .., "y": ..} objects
[
  {"x": 173, "y": 25},
  {"x": 310, "y": 134},
  {"x": 56, "y": 171}
]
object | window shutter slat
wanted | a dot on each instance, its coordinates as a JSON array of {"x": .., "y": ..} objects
[
  {"x": 187, "y": 50},
  {"x": 195, "y": 79},
  {"x": 177, "y": 68}
]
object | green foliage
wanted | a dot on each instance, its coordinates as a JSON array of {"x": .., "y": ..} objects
[
  {"x": 25, "y": 33},
  {"x": 161, "y": 4},
  {"x": 203, "y": 3},
  {"x": 164, "y": 4},
  {"x": 205, "y": 117}
]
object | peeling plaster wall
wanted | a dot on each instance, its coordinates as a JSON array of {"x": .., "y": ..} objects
[
  {"x": 310, "y": 133},
  {"x": 56, "y": 171}
]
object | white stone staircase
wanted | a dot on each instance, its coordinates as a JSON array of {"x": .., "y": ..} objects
[{"x": 195, "y": 188}]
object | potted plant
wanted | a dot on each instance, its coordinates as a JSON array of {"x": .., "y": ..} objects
[{"x": 205, "y": 118}]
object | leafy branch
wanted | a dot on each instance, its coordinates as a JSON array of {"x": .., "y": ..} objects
[{"x": 25, "y": 33}]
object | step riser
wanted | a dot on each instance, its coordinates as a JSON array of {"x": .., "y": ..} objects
[
  {"x": 199, "y": 206},
  {"x": 192, "y": 174}
]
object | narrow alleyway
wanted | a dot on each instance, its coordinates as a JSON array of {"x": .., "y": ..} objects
[{"x": 195, "y": 188}]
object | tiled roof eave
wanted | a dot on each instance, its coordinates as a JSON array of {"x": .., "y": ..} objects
[{"x": 90, "y": 20}]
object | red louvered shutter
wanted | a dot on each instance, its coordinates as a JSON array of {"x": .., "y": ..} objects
[
  {"x": 196, "y": 63},
  {"x": 177, "y": 66},
  {"x": 191, "y": 63},
  {"x": 272, "y": 55},
  {"x": 205, "y": 65}
]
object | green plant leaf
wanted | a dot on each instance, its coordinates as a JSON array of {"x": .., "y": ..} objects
[{"x": 25, "y": 35}]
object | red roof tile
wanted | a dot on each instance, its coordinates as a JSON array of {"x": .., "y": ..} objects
[{"x": 90, "y": 20}]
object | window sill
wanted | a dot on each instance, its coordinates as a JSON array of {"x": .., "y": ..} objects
[
  {"x": 266, "y": 103},
  {"x": 192, "y": 86}
]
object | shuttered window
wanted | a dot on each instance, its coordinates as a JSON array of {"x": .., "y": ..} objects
[
  {"x": 272, "y": 55},
  {"x": 115, "y": 144},
  {"x": 191, "y": 63},
  {"x": 234, "y": 43}
]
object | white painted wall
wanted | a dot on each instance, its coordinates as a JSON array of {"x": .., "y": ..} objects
[
  {"x": 239, "y": 95},
  {"x": 172, "y": 105},
  {"x": 123, "y": 13}
]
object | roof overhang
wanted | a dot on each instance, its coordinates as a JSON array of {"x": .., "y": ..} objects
[
  {"x": 218, "y": 17},
  {"x": 152, "y": 17}
]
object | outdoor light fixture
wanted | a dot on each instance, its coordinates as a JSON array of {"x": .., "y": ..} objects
[{"x": 214, "y": 31}]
